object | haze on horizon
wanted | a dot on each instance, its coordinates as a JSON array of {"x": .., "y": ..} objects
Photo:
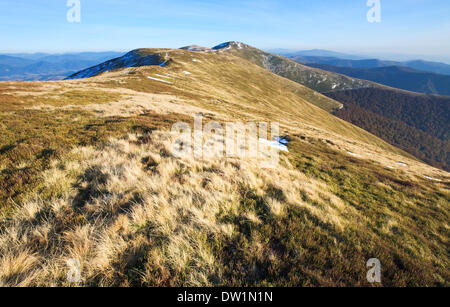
[{"x": 408, "y": 28}]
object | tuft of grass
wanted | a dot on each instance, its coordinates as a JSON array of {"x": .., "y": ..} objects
[{"x": 31, "y": 139}]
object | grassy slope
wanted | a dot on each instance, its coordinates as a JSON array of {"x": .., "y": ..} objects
[
  {"x": 406, "y": 126},
  {"x": 316, "y": 79},
  {"x": 133, "y": 214},
  {"x": 231, "y": 85}
]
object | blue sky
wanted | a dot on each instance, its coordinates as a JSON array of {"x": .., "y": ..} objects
[{"x": 417, "y": 27}]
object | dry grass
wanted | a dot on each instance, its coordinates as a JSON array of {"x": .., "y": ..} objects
[
  {"x": 132, "y": 214},
  {"x": 131, "y": 202}
]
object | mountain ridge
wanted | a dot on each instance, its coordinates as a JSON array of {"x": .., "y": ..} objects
[
  {"x": 399, "y": 77},
  {"x": 432, "y": 67},
  {"x": 35, "y": 67}
]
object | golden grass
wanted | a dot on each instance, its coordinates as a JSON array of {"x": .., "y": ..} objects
[
  {"x": 127, "y": 196},
  {"x": 133, "y": 214}
]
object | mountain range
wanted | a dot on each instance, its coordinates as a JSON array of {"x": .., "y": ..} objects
[
  {"x": 348, "y": 60},
  {"x": 398, "y": 77},
  {"x": 41, "y": 66},
  {"x": 315, "y": 53}
]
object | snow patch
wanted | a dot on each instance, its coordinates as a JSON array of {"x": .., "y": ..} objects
[
  {"x": 353, "y": 154},
  {"x": 274, "y": 144},
  {"x": 160, "y": 80},
  {"x": 163, "y": 76},
  {"x": 433, "y": 179}
]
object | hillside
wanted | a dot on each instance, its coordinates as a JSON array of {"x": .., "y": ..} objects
[
  {"x": 316, "y": 79},
  {"x": 415, "y": 117},
  {"x": 88, "y": 174},
  {"x": 417, "y": 123},
  {"x": 143, "y": 57},
  {"x": 396, "y": 76}
]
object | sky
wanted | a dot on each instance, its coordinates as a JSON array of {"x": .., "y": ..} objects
[{"x": 407, "y": 27}]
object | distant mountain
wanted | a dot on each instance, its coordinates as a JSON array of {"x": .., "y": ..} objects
[
  {"x": 11, "y": 61},
  {"x": 29, "y": 56},
  {"x": 43, "y": 67},
  {"x": 316, "y": 53},
  {"x": 416, "y": 123},
  {"x": 397, "y": 76},
  {"x": 434, "y": 67}
]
